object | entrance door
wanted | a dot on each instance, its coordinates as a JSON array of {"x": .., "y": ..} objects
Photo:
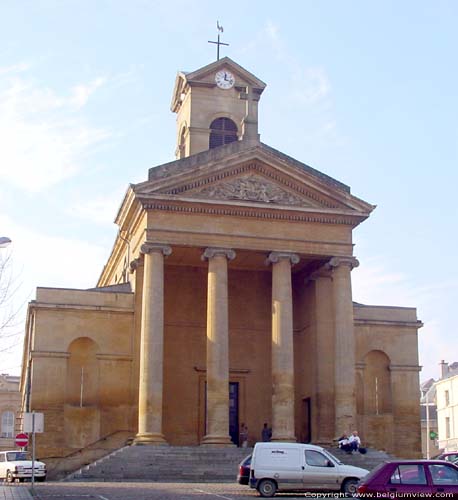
[
  {"x": 234, "y": 412},
  {"x": 306, "y": 427}
]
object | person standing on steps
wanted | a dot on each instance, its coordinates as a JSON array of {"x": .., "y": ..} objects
[
  {"x": 266, "y": 433},
  {"x": 243, "y": 436}
]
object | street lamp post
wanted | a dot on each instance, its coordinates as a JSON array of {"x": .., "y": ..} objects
[
  {"x": 4, "y": 241},
  {"x": 428, "y": 428}
]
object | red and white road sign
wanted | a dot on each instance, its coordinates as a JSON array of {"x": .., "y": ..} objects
[{"x": 22, "y": 440}]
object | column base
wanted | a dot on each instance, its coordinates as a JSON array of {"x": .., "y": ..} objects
[
  {"x": 284, "y": 439},
  {"x": 216, "y": 441},
  {"x": 325, "y": 443},
  {"x": 150, "y": 438}
]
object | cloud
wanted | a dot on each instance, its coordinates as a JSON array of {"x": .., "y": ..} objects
[
  {"x": 44, "y": 136},
  {"x": 39, "y": 259},
  {"x": 99, "y": 210},
  {"x": 15, "y": 68},
  {"x": 81, "y": 93},
  {"x": 374, "y": 283}
]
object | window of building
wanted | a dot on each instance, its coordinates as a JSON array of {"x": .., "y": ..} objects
[
  {"x": 7, "y": 424},
  {"x": 447, "y": 427},
  {"x": 447, "y": 398},
  {"x": 222, "y": 131}
]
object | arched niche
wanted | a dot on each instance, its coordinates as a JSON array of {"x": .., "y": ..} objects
[
  {"x": 82, "y": 373},
  {"x": 377, "y": 383}
]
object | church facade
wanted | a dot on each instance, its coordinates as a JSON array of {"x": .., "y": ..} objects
[{"x": 226, "y": 299}]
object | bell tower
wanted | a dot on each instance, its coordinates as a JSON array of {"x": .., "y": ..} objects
[{"x": 215, "y": 105}]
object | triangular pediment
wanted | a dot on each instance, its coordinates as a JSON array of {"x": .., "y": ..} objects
[
  {"x": 250, "y": 175},
  {"x": 206, "y": 73},
  {"x": 205, "y": 77},
  {"x": 250, "y": 187}
]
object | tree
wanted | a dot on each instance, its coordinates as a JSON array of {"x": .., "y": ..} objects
[{"x": 10, "y": 331}]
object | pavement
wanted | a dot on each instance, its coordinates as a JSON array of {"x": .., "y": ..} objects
[{"x": 13, "y": 492}]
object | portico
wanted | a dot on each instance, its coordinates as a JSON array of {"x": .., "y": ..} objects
[{"x": 278, "y": 270}]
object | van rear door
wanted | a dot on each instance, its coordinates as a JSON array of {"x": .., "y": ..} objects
[{"x": 282, "y": 464}]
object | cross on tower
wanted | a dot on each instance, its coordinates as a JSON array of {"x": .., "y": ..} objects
[{"x": 218, "y": 43}]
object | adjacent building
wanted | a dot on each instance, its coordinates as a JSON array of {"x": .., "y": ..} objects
[
  {"x": 10, "y": 405},
  {"x": 447, "y": 407},
  {"x": 227, "y": 298}
]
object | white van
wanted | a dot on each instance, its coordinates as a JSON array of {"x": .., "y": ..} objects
[{"x": 300, "y": 467}]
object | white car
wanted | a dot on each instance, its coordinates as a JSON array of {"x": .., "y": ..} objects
[{"x": 18, "y": 465}]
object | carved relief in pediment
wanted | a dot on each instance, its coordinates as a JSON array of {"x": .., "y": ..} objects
[{"x": 251, "y": 187}]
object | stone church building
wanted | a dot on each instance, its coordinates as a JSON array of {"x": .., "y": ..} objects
[{"x": 226, "y": 299}]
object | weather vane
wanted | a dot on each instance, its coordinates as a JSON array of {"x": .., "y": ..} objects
[{"x": 218, "y": 43}]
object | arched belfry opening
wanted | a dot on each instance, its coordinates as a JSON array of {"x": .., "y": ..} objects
[{"x": 222, "y": 131}]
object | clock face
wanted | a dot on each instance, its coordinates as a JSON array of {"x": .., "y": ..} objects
[{"x": 224, "y": 79}]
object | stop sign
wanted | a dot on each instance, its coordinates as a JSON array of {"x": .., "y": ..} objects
[{"x": 22, "y": 440}]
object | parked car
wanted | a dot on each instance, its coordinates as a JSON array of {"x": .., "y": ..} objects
[
  {"x": 425, "y": 478},
  {"x": 243, "y": 477},
  {"x": 300, "y": 467},
  {"x": 18, "y": 465},
  {"x": 450, "y": 456}
]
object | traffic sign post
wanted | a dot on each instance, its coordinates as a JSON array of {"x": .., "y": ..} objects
[
  {"x": 22, "y": 440},
  {"x": 33, "y": 422}
]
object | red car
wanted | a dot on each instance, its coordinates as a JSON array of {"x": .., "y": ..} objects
[
  {"x": 426, "y": 478},
  {"x": 450, "y": 456}
]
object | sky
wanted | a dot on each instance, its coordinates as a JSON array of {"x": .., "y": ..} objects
[{"x": 365, "y": 92}]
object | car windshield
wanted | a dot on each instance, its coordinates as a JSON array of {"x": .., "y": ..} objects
[
  {"x": 332, "y": 457},
  {"x": 16, "y": 456}
]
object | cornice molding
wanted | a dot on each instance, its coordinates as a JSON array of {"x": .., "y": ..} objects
[
  {"x": 203, "y": 369},
  {"x": 114, "y": 357},
  {"x": 49, "y": 354},
  {"x": 404, "y": 368},
  {"x": 251, "y": 212},
  {"x": 396, "y": 323}
]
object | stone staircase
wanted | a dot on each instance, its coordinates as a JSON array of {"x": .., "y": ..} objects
[
  {"x": 189, "y": 464},
  {"x": 60, "y": 467},
  {"x": 368, "y": 461},
  {"x": 165, "y": 464}
]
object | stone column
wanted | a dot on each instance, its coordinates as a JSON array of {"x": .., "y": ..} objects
[
  {"x": 344, "y": 374},
  {"x": 152, "y": 346},
  {"x": 282, "y": 347},
  {"x": 323, "y": 409},
  {"x": 217, "y": 432}
]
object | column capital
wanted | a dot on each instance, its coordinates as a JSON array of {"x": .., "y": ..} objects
[
  {"x": 351, "y": 262},
  {"x": 275, "y": 257},
  {"x": 134, "y": 265},
  {"x": 324, "y": 271},
  {"x": 211, "y": 252},
  {"x": 148, "y": 247}
]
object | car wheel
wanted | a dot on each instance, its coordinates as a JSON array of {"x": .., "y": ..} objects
[
  {"x": 267, "y": 488},
  {"x": 350, "y": 486},
  {"x": 41, "y": 479},
  {"x": 9, "y": 477}
]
